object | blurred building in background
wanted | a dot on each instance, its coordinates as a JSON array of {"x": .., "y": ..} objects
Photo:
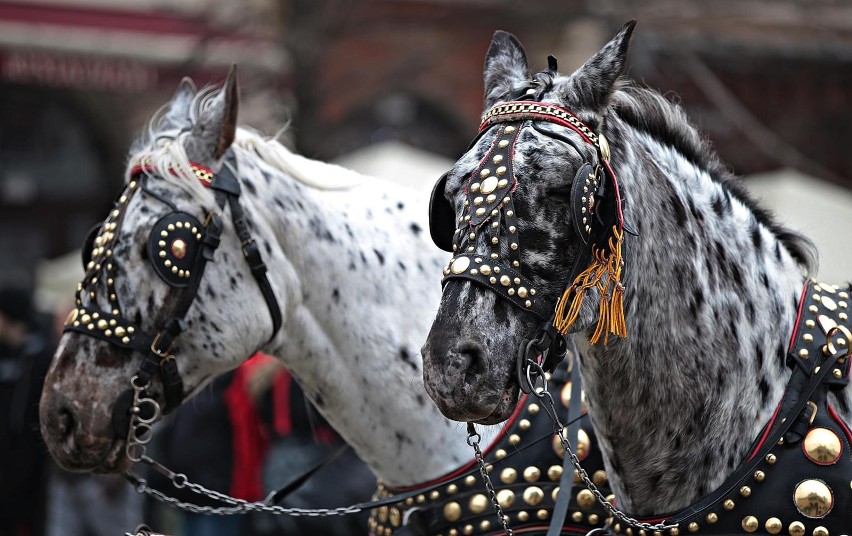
[{"x": 768, "y": 81}]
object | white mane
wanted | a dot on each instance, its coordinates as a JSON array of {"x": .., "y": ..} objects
[{"x": 162, "y": 148}]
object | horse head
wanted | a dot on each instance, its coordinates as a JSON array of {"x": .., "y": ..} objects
[
  {"x": 156, "y": 306},
  {"x": 537, "y": 165}
]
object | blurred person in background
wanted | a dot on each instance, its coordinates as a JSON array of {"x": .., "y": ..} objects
[{"x": 25, "y": 353}]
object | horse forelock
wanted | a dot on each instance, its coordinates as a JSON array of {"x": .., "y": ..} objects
[
  {"x": 162, "y": 143},
  {"x": 665, "y": 121}
]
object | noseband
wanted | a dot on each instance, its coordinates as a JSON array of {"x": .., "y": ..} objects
[
  {"x": 489, "y": 222},
  {"x": 179, "y": 247}
]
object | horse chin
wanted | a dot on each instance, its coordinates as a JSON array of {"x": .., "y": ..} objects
[{"x": 505, "y": 407}]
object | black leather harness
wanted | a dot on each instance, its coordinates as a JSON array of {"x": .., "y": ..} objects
[
  {"x": 527, "y": 470},
  {"x": 179, "y": 247},
  {"x": 797, "y": 479}
]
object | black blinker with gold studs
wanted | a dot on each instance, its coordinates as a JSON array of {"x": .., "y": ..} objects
[{"x": 173, "y": 246}]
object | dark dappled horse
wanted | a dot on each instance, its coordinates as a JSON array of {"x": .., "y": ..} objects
[
  {"x": 717, "y": 385},
  {"x": 176, "y": 293}
]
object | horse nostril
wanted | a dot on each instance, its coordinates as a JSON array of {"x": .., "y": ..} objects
[
  {"x": 472, "y": 359},
  {"x": 65, "y": 423}
]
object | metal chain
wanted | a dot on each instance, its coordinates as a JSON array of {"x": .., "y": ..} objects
[
  {"x": 143, "y": 413},
  {"x": 473, "y": 440},
  {"x": 534, "y": 370}
]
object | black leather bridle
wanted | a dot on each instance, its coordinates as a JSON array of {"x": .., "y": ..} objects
[
  {"x": 489, "y": 213},
  {"x": 179, "y": 248}
]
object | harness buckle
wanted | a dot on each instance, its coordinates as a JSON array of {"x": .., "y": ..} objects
[{"x": 162, "y": 354}]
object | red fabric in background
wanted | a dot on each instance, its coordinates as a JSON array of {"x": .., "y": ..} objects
[{"x": 250, "y": 437}]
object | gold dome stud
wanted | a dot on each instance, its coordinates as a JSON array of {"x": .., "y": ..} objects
[
  {"x": 452, "y": 511},
  {"x": 600, "y": 478},
  {"x": 509, "y": 129},
  {"x": 822, "y": 446},
  {"x": 773, "y": 525},
  {"x": 514, "y": 439},
  {"x": 577, "y": 517},
  {"x": 395, "y": 517},
  {"x": 820, "y": 531},
  {"x": 693, "y": 527},
  {"x": 813, "y": 498},
  {"x": 452, "y": 489},
  {"x": 478, "y": 503},
  {"x": 485, "y": 526},
  {"x": 178, "y": 248},
  {"x": 508, "y": 475},
  {"x": 468, "y": 529},
  {"x": 750, "y": 524},
  {"x": 829, "y": 304},
  {"x": 554, "y": 472},
  {"x": 533, "y": 495},
  {"x": 585, "y": 499},
  {"x": 460, "y": 265},
  {"x": 484, "y": 173},
  {"x": 728, "y": 505},
  {"x": 505, "y": 498},
  {"x": 531, "y": 474},
  {"x": 745, "y": 491},
  {"x": 712, "y": 518},
  {"x": 523, "y": 516},
  {"x": 797, "y": 528},
  {"x": 488, "y": 185},
  {"x": 771, "y": 459},
  {"x": 542, "y": 514},
  {"x": 469, "y": 480}
]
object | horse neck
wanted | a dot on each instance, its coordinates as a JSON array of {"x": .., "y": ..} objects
[
  {"x": 710, "y": 302},
  {"x": 358, "y": 276}
]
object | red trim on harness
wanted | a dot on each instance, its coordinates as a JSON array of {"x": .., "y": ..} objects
[
  {"x": 772, "y": 420},
  {"x": 202, "y": 173},
  {"x": 842, "y": 424},
  {"x": 464, "y": 468}
]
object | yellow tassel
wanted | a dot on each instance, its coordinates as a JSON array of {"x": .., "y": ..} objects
[{"x": 604, "y": 274}]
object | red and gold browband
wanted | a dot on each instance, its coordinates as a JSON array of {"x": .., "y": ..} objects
[{"x": 204, "y": 174}]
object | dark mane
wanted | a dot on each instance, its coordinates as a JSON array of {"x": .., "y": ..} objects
[{"x": 647, "y": 111}]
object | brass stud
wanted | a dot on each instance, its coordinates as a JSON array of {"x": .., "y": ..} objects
[
  {"x": 491, "y": 198},
  {"x": 674, "y": 531},
  {"x": 524, "y": 424},
  {"x": 533, "y": 409},
  {"x": 503, "y": 144},
  {"x": 498, "y": 158},
  {"x": 500, "y": 454},
  {"x": 485, "y": 269},
  {"x": 554, "y": 494},
  {"x": 485, "y": 525},
  {"x": 745, "y": 491},
  {"x": 500, "y": 171},
  {"x": 771, "y": 459},
  {"x": 505, "y": 280},
  {"x": 460, "y": 265},
  {"x": 773, "y": 525},
  {"x": 813, "y": 309},
  {"x": 488, "y": 185},
  {"x": 821, "y": 445},
  {"x": 829, "y": 304},
  {"x": 478, "y": 200},
  {"x": 759, "y": 476},
  {"x": 514, "y": 439},
  {"x": 554, "y": 472},
  {"x": 693, "y": 527},
  {"x": 480, "y": 211},
  {"x": 728, "y": 505},
  {"x": 484, "y": 173},
  {"x": 435, "y": 495},
  {"x": 502, "y": 184},
  {"x": 797, "y": 528},
  {"x": 533, "y": 495},
  {"x": 577, "y": 517},
  {"x": 803, "y": 353},
  {"x": 813, "y": 498},
  {"x": 593, "y": 519},
  {"x": 126, "y": 340},
  {"x": 532, "y": 474},
  {"x": 523, "y": 516},
  {"x": 478, "y": 503},
  {"x": 505, "y": 498},
  {"x": 807, "y": 337},
  {"x": 542, "y": 514},
  {"x": 452, "y": 489},
  {"x": 469, "y": 480},
  {"x": 474, "y": 187},
  {"x": 750, "y": 523},
  {"x": 820, "y": 531},
  {"x": 600, "y": 478},
  {"x": 509, "y": 129},
  {"x": 585, "y": 499},
  {"x": 452, "y": 511},
  {"x": 712, "y": 518}
]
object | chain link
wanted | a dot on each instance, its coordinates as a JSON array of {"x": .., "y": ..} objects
[
  {"x": 473, "y": 440},
  {"x": 534, "y": 370}
]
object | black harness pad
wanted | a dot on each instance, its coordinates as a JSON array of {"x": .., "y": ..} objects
[
  {"x": 89, "y": 243},
  {"x": 173, "y": 246},
  {"x": 441, "y": 216}
]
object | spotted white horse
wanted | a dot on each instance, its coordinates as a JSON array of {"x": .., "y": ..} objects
[{"x": 718, "y": 386}]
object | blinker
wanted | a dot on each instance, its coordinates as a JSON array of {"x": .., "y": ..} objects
[{"x": 173, "y": 246}]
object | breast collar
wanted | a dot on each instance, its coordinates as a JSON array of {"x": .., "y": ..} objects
[
  {"x": 527, "y": 463},
  {"x": 797, "y": 479}
]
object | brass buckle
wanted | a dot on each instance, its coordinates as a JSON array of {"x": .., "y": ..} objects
[
  {"x": 829, "y": 348},
  {"x": 163, "y": 355},
  {"x": 209, "y": 218}
]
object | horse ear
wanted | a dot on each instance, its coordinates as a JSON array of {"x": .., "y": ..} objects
[
  {"x": 505, "y": 67},
  {"x": 595, "y": 80},
  {"x": 177, "y": 113},
  {"x": 216, "y": 126}
]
